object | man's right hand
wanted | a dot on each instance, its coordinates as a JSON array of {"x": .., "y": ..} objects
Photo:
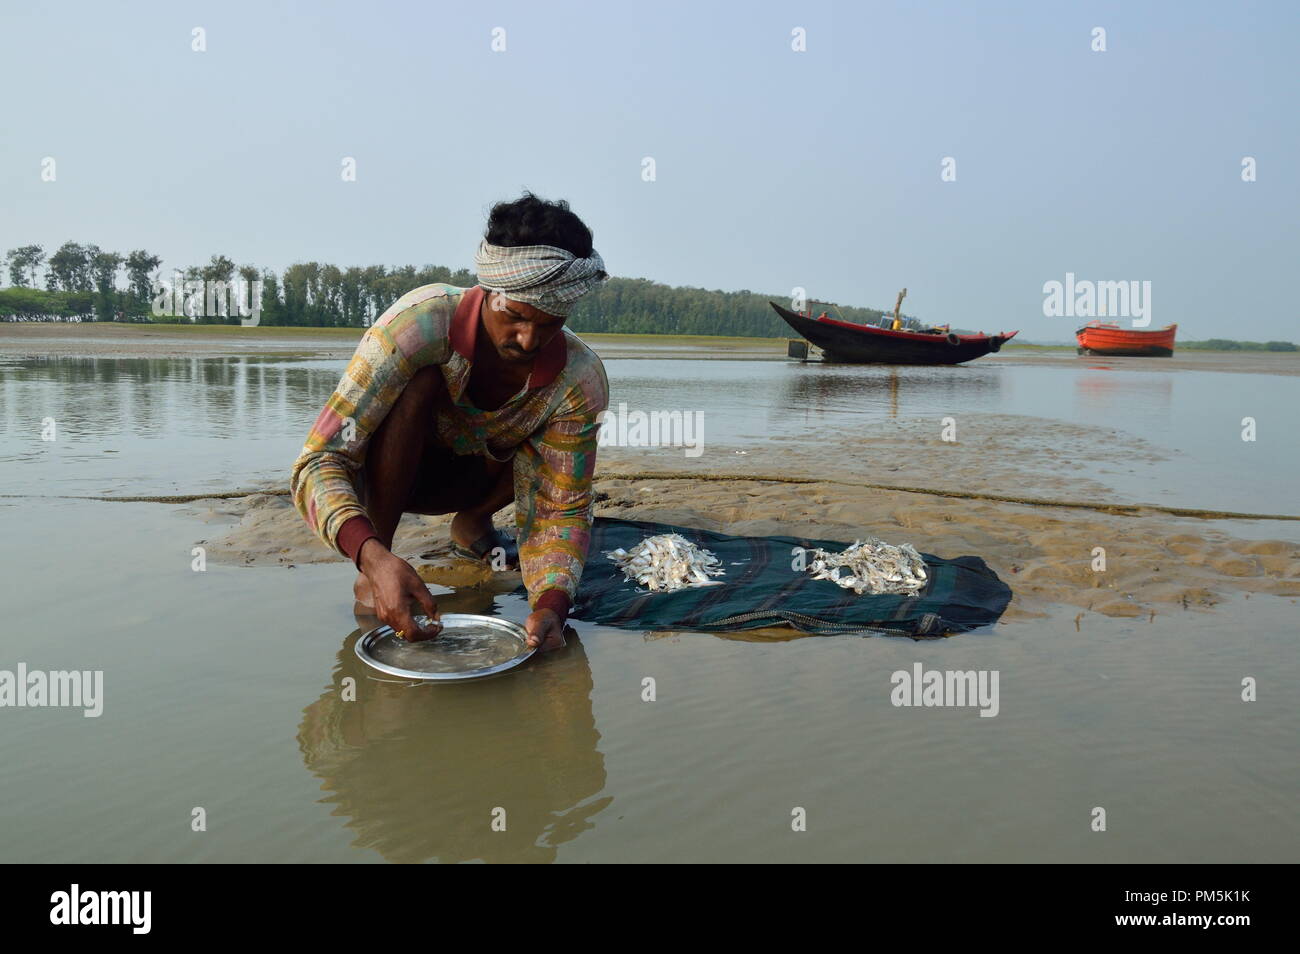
[{"x": 396, "y": 585}]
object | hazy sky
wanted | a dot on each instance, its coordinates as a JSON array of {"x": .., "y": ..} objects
[{"x": 773, "y": 168}]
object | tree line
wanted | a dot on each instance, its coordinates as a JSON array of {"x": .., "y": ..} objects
[
  {"x": 87, "y": 283},
  {"x": 1224, "y": 344},
  {"x": 84, "y": 282},
  {"x": 81, "y": 281}
]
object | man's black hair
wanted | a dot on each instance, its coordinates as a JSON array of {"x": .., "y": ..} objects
[{"x": 533, "y": 221}]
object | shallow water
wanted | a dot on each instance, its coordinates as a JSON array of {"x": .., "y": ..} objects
[
  {"x": 177, "y": 425},
  {"x": 1190, "y": 420},
  {"x": 225, "y": 690},
  {"x": 238, "y": 690}
]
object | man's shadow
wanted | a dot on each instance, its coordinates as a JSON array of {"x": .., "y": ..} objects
[{"x": 504, "y": 769}]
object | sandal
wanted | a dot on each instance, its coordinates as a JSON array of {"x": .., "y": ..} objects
[{"x": 481, "y": 549}]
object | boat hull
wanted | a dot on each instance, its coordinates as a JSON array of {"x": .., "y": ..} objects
[
  {"x": 847, "y": 343},
  {"x": 1113, "y": 341}
]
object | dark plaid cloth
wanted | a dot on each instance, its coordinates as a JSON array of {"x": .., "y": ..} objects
[{"x": 764, "y": 590}]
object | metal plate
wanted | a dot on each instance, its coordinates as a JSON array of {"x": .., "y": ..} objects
[{"x": 469, "y": 647}]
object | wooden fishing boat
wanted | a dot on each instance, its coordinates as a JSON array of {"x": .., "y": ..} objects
[
  {"x": 843, "y": 341},
  {"x": 1108, "y": 338}
]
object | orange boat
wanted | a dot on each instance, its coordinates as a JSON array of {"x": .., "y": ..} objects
[{"x": 1108, "y": 338}]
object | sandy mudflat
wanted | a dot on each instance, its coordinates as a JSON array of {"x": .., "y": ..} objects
[
  {"x": 1156, "y": 564},
  {"x": 107, "y": 339}
]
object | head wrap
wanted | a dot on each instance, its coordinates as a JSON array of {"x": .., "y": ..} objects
[{"x": 548, "y": 278}]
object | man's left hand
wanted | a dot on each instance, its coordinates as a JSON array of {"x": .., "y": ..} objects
[{"x": 545, "y": 630}]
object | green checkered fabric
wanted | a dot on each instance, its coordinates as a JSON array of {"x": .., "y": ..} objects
[{"x": 762, "y": 588}]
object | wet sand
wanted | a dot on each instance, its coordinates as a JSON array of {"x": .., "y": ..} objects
[
  {"x": 1155, "y": 564},
  {"x": 107, "y": 339}
]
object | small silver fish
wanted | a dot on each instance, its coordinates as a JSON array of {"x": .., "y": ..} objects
[
  {"x": 668, "y": 562},
  {"x": 872, "y": 566}
]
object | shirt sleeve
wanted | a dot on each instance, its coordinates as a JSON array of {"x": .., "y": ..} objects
[
  {"x": 407, "y": 337},
  {"x": 553, "y": 495}
]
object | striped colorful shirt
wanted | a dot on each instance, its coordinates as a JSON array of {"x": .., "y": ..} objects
[{"x": 550, "y": 427}]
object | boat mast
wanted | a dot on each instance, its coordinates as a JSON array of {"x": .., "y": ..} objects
[{"x": 898, "y": 323}]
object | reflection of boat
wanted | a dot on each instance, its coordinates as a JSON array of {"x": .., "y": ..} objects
[
  {"x": 1098, "y": 390},
  {"x": 1098, "y": 337},
  {"x": 866, "y": 344},
  {"x": 835, "y": 399}
]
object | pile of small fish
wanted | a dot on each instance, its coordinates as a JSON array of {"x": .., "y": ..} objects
[
  {"x": 872, "y": 566},
  {"x": 668, "y": 562}
]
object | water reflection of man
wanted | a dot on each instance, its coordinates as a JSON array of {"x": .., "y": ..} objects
[
  {"x": 460, "y": 401},
  {"x": 421, "y": 771}
]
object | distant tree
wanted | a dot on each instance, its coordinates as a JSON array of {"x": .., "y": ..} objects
[
  {"x": 141, "y": 269},
  {"x": 247, "y": 275},
  {"x": 69, "y": 268},
  {"x": 372, "y": 278},
  {"x": 104, "y": 265},
  {"x": 217, "y": 308},
  {"x": 331, "y": 296},
  {"x": 193, "y": 303},
  {"x": 352, "y": 297},
  {"x": 298, "y": 281},
  {"x": 23, "y": 263},
  {"x": 272, "y": 307}
]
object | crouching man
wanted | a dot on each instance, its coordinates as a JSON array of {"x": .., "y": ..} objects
[{"x": 459, "y": 401}]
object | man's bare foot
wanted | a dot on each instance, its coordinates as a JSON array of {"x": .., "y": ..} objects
[
  {"x": 363, "y": 593},
  {"x": 467, "y": 528}
]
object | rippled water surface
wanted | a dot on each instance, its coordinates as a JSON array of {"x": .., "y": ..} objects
[{"x": 177, "y": 425}]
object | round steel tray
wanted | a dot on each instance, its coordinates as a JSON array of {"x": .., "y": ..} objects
[{"x": 381, "y": 638}]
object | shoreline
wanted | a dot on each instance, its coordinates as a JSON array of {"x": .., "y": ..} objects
[{"x": 112, "y": 340}]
